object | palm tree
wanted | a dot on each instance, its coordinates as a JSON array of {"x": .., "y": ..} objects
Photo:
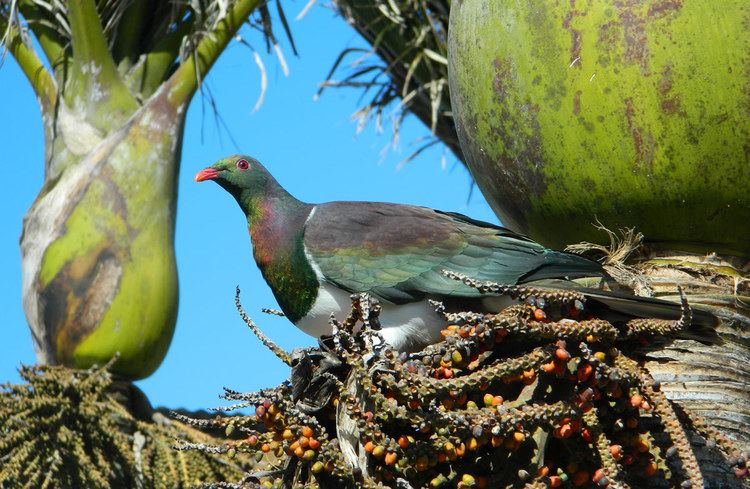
[{"x": 113, "y": 81}]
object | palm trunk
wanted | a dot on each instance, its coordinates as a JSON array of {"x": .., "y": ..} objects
[
  {"x": 710, "y": 380},
  {"x": 99, "y": 273}
]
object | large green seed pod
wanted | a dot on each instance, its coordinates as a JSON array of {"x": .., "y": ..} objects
[
  {"x": 633, "y": 113},
  {"x": 99, "y": 272}
]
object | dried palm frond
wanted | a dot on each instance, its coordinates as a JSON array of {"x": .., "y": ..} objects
[{"x": 404, "y": 71}]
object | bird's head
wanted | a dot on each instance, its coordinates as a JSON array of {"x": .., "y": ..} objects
[
  {"x": 237, "y": 173},
  {"x": 247, "y": 180}
]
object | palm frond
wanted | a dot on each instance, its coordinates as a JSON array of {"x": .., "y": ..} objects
[
  {"x": 409, "y": 73},
  {"x": 134, "y": 29}
]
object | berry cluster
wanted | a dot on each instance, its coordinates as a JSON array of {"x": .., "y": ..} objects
[{"x": 541, "y": 394}]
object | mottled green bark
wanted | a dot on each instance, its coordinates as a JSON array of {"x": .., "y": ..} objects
[{"x": 630, "y": 112}]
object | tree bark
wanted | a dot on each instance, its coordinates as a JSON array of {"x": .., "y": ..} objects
[{"x": 710, "y": 380}]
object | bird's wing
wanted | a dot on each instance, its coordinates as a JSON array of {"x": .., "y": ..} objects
[{"x": 398, "y": 252}]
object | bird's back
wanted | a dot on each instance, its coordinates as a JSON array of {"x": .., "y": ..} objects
[{"x": 398, "y": 252}]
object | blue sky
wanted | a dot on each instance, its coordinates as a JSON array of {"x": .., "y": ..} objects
[{"x": 312, "y": 149}]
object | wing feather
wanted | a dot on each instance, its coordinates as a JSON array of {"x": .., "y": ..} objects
[{"x": 397, "y": 252}]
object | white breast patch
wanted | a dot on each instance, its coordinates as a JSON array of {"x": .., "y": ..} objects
[{"x": 405, "y": 327}]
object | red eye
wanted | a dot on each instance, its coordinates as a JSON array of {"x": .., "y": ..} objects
[{"x": 243, "y": 164}]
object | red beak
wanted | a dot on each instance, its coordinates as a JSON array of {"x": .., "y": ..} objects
[{"x": 207, "y": 174}]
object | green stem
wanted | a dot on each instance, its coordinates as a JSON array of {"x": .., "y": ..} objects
[
  {"x": 152, "y": 69},
  {"x": 41, "y": 81},
  {"x": 92, "y": 61},
  {"x": 185, "y": 80},
  {"x": 52, "y": 44}
]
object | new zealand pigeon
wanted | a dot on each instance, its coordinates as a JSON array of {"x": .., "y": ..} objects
[{"x": 314, "y": 256}]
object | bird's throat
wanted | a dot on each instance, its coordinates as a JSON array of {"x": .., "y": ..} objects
[{"x": 276, "y": 228}]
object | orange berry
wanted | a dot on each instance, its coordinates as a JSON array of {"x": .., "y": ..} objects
[
  {"x": 584, "y": 372},
  {"x": 314, "y": 444},
  {"x": 449, "y": 448},
  {"x": 369, "y": 447},
  {"x": 650, "y": 468},
  {"x": 519, "y": 436},
  {"x": 403, "y": 441},
  {"x": 543, "y": 471},
  {"x": 562, "y": 354},
  {"x": 549, "y": 367},
  {"x": 303, "y": 441},
  {"x": 539, "y": 314},
  {"x": 641, "y": 445},
  {"x": 307, "y": 431},
  {"x": 299, "y": 451},
  {"x": 616, "y": 451},
  {"x": 555, "y": 481},
  {"x": 390, "y": 458},
  {"x": 460, "y": 450},
  {"x": 598, "y": 475},
  {"x": 636, "y": 400},
  {"x": 529, "y": 376},
  {"x": 265, "y": 448},
  {"x": 497, "y": 400}
]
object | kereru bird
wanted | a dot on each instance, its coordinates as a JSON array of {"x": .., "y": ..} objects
[{"x": 314, "y": 256}]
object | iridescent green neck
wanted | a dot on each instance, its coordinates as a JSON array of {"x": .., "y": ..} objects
[{"x": 276, "y": 223}]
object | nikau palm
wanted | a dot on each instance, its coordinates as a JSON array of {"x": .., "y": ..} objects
[{"x": 98, "y": 263}]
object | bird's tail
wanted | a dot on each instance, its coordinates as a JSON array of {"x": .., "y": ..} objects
[{"x": 623, "y": 307}]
